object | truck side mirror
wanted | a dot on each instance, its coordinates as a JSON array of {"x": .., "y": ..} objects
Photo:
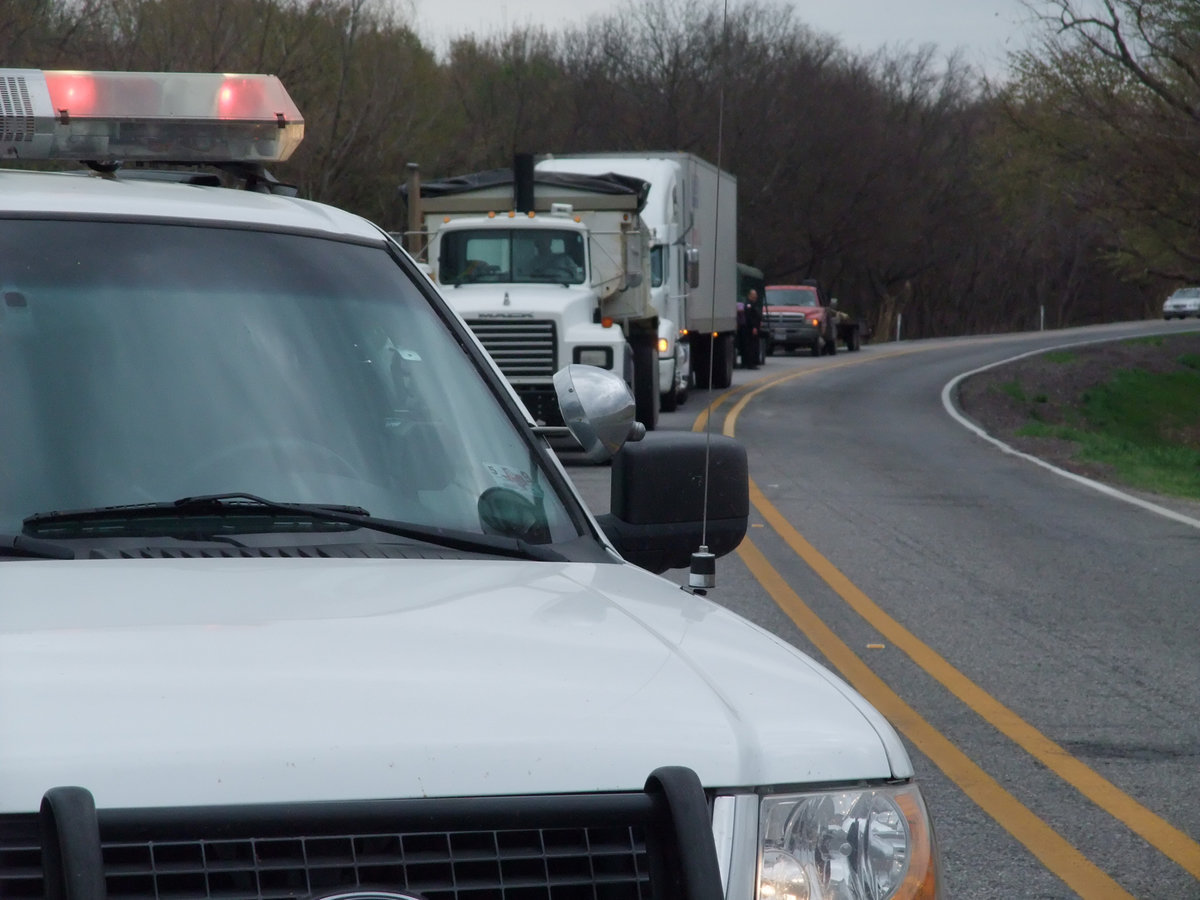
[
  {"x": 633, "y": 263},
  {"x": 598, "y": 409},
  {"x": 692, "y": 266}
]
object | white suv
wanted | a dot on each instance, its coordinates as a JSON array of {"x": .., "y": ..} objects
[{"x": 298, "y": 602}]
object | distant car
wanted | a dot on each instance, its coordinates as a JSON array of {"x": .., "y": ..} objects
[{"x": 1183, "y": 303}]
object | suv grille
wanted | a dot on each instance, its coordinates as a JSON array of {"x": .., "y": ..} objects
[
  {"x": 568, "y": 847},
  {"x": 520, "y": 347}
]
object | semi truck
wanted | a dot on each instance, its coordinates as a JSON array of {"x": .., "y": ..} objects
[
  {"x": 547, "y": 270},
  {"x": 691, "y": 211}
]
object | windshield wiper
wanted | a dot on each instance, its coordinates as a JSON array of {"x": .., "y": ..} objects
[{"x": 119, "y": 521}]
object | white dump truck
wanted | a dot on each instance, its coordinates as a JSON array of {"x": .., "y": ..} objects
[
  {"x": 548, "y": 270},
  {"x": 691, "y": 211}
]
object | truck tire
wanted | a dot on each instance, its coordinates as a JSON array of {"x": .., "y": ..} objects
[
  {"x": 816, "y": 347},
  {"x": 700, "y": 347},
  {"x": 853, "y": 340},
  {"x": 645, "y": 380},
  {"x": 670, "y": 400},
  {"x": 723, "y": 352}
]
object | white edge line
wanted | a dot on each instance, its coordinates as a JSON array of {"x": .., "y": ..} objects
[{"x": 948, "y": 392}]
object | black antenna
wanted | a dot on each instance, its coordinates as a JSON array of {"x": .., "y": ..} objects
[{"x": 702, "y": 574}]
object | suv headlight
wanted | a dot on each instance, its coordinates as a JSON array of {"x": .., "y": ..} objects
[{"x": 853, "y": 844}]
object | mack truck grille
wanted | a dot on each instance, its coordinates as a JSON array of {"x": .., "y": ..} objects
[
  {"x": 520, "y": 347},
  {"x": 652, "y": 845}
]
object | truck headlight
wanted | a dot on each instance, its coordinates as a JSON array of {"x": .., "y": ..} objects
[
  {"x": 602, "y": 357},
  {"x": 852, "y": 844}
]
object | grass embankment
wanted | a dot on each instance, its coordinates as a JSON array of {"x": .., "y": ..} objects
[{"x": 1142, "y": 424}]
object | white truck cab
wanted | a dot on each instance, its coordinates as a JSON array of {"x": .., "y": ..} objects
[
  {"x": 296, "y": 601},
  {"x": 547, "y": 271}
]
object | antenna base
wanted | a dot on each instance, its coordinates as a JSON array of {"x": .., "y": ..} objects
[{"x": 703, "y": 572}]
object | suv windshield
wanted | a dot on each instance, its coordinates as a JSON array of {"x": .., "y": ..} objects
[{"x": 143, "y": 363}]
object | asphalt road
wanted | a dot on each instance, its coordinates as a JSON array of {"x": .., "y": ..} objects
[{"x": 1035, "y": 639}]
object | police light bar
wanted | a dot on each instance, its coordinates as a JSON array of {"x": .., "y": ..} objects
[{"x": 165, "y": 116}]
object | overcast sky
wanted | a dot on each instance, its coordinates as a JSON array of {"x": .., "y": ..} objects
[{"x": 984, "y": 30}]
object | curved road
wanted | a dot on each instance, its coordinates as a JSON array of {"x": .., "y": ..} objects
[{"x": 1035, "y": 640}]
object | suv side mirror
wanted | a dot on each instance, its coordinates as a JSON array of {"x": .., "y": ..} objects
[{"x": 657, "y": 498}]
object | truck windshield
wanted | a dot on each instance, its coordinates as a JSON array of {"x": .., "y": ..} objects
[
  {"x": 792, "y": 297},
  {"x": 149, "y": 362},
  {"x": 551, "y": 256}
]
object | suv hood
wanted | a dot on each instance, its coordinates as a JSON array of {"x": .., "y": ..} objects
[{"x": 185, "y": 682}]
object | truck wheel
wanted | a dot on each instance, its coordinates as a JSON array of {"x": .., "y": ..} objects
[
  {"x": 700, "y": 362},
  {"x": 854, "y": 341},
  {"x": 832, "y": 345},
  {"x": 816, "y": 347},
  {"x": 671, "y": 398},
  {"x": 722, "y": 361},
  {"x": 645, "y": 381}
]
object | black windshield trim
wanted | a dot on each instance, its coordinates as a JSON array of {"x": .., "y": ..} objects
[{"x": 73, "y": 523}]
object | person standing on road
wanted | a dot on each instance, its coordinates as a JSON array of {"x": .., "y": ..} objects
[{"x": 749, "y": 320}]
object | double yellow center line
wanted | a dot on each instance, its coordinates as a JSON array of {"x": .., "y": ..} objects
[{"x": 1051, "y": 849}]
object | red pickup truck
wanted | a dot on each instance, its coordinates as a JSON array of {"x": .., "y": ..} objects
[{"x": 799, "y": 315}]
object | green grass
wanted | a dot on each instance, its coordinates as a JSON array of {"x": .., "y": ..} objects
[
  {"x": 1012, "y": 389},
  {"x": 1146, "y": 426},
  {"x": 1151, "y": 340},
  {"x": 1060, "y": 356}
]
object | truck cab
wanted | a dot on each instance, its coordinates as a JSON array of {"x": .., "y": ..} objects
[
  {"x": 796, "y": 316},
  {"x": 523, "y": 286},
  {"x": 565, "y": 280}
]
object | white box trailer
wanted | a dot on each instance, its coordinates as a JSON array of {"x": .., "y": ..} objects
[{"x": 691, "y": 211}]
